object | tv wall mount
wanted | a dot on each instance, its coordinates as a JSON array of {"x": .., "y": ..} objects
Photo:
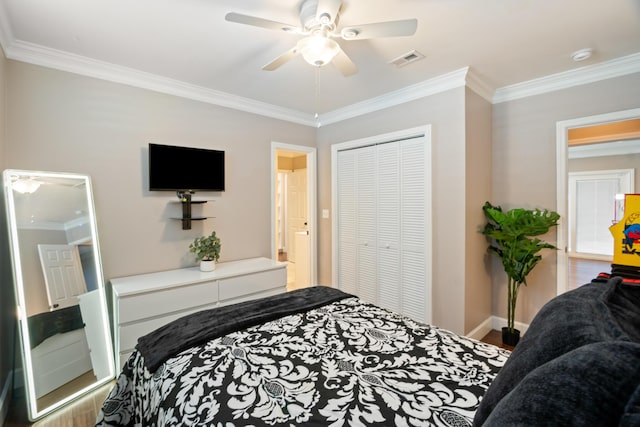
[{"x": 186, "y": 200}]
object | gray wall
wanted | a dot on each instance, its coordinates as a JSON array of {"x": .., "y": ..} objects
[
  {"x": 64, "y": 122},
  {"x": 478, "y": 173},
  {"x": 524, "y": 167}
]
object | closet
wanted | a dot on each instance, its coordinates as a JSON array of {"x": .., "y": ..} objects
[{"x": 382, "y": 229}]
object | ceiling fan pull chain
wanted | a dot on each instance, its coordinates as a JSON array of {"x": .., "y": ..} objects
[{"x": 317, "y": 96}]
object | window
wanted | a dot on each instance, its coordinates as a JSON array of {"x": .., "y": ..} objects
[{"x": 593, "y": 208}]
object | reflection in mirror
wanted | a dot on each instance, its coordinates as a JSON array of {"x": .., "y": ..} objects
[{"x": 64, "y": 329}]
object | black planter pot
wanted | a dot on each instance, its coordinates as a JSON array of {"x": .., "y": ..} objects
[{"x": 510, "y": 338}]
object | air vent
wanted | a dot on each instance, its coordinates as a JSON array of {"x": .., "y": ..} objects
[{"x": 407, "y": 58}]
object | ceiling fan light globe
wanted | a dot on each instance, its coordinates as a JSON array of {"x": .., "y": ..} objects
[
  {"x": 318, "y": 50},
  {"x": 25, "y": 186}
]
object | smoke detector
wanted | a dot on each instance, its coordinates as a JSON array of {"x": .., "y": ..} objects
[{"x": 582, "y": 54}]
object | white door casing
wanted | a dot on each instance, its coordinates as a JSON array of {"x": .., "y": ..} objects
[
  {"x": 562, "y": 144},
  {"x": 311, "y": 202}
]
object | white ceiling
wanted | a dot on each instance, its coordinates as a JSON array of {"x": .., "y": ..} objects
[{"x": 187, "y": 48}]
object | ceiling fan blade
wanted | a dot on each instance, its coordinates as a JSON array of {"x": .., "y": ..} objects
[
  {"x": 282, "y": 59},
  {"x": 344, "y": 64},
  {"x": 406, "y": 27},
  {"x": 260, "y": 22},
  {"x": 327, "y": 11}
]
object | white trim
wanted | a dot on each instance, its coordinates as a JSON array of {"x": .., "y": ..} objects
[
  {"x": 562, "y": 131},
  {"x": 494, "y": 323},
  {"x": 60, "y": 60},
  {"x": 423, "y": 89},
  {"x": 40, "y": 55},
  {"x": 420, "y": 131},
  {"x": 312, "y": 210},
  {"x": 481, "y": 330},
  {"x": 600, "y": 149},
  {"x": 5, "y": 399},
  {"x": 36, "y": 54},
  {"x": 498, "y": 323},
  {"x": 592, "y": 73},
  {"x": 479, "y": 86}
]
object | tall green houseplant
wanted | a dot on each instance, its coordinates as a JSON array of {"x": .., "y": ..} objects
[{"x": 512, "y": 238}]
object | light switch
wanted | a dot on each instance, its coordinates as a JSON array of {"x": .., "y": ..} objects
[{"x": 325, "y": 213}]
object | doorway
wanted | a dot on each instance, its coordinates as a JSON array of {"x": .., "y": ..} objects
[
  {"x": 293, "y": 206},
  {"x": 563, "y": 129}
]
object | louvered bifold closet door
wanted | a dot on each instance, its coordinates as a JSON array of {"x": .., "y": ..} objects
[
  {"x": 389, "y": 226},
  {"x": 347, "y": 220},
  {"x": 382, "y": 228},
  {"x": 414, "y": 249},
  {"x": 366, "y": 235}
]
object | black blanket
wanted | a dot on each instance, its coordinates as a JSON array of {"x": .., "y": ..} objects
[
  {"x": 181, "y": 334},
  {"x": 50, "y": 323}
]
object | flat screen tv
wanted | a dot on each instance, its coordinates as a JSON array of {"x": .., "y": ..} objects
[{"x": 174, "y": 168}]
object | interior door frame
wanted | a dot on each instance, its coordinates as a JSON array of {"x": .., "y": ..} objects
[
  {"x": 312, "y": 178},
  {"x": 562, "y": 178}
]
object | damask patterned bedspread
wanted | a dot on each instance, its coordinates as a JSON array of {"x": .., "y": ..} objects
[{"x": 348, "y": 363}]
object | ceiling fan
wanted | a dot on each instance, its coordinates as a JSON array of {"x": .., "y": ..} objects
[{"x": 319, "y": 20}]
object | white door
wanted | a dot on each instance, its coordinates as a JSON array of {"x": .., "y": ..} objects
[
  {"x": 62, "y": 275},
  {"x": 414, "y": 236},
  {"x": 296, "y": 209},
  {"x": 389, "y": 227},
  {"x": 346, "y": 261},
  {"x": 383, "y": 238},
  {"x": 366, "y": 199}
]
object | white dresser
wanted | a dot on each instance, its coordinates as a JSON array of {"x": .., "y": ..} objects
[{"x": 145, "y": 302}]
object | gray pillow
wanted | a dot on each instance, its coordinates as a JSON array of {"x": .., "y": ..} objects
[{"x": 577, "y": 364}]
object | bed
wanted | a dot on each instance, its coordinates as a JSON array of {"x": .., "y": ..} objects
[{"x": 315, "y": 356}]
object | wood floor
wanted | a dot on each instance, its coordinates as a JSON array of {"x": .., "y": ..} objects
[
  {"x": 582, "y": 271},
  {"x": 80, "y": 413}
]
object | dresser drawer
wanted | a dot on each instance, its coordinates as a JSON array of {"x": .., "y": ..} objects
[
  {"x": 248, "y": 284},
  {"x": 163, "y": 302},
  {"x": 128, "y": 334}
]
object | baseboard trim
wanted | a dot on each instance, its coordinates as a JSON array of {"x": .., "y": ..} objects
[
  {"x": 481, "y": 330},
  {"x": 496, "y": 323},
  {"x": 499, "y": 322},
  {"x": 5, "y": 400}
]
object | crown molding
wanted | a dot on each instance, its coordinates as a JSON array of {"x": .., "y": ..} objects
[
  {"x": 592, "y": 73},
  {"x": 425, "y": 88},
  {"x": 51, "y": 58}
]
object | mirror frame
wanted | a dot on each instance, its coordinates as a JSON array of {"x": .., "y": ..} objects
[{"x": 32, "y": 409}]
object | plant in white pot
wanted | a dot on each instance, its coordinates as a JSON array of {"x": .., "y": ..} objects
[
  {"x": 512, "y": 239},
  {"x": 207, "y": 251}
]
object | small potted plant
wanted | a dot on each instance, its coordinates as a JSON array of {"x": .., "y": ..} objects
[
  {"x": 512, "y": 239},
  {"x": 207, "y": 251}
]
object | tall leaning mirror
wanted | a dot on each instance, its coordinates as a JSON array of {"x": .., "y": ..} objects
[{"x": 60, "y": 295}]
